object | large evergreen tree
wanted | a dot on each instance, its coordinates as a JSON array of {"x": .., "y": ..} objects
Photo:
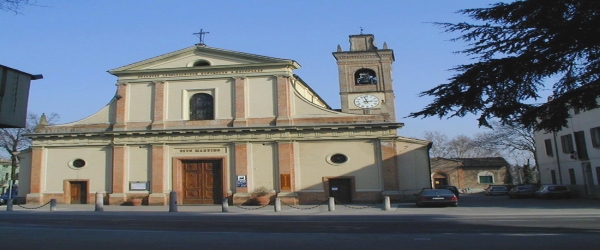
[{"x": 519, "y": 49}]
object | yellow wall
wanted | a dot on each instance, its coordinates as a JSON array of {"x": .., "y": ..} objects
[
  {"x": 96, "y": 170},
  {"x": 361, "y": 164}
]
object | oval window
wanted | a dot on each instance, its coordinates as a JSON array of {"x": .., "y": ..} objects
[
  {"x": 338, "y": 158},
  {"x": 77, "y": 163}
]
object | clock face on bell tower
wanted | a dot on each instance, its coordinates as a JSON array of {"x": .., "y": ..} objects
[
  {"x": 366, "y": 101},
  {"x": 366, "y": 77}
]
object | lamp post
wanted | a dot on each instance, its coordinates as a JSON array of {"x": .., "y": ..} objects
[{"x": 13, "y": 173}]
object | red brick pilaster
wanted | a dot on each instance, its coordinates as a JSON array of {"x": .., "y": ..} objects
[
  {"x": 390, "y": 166},
  {"x": 240, "y": 103},
  {"x": 37, "y": 169},
  {"x": 284, "y": 109},
  {"x": 241, "y": 164},
  {"x": 119, "y": 173},
  {"x": 158, "y": 195},
  {"x": 159, "y": 105},
  {"x": 286, "y": 163},
  {"x": 121, "y": 109}
]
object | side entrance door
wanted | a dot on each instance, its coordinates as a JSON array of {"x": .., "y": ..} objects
[
  {"x": 340, "y": 190},
  {"x": 202, "y": 182},
  {"x": 439, "y": 181},
  {"x": 78, "y": 192}
]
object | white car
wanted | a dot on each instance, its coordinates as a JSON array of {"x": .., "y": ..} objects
[{"x": 496, "y": 190}]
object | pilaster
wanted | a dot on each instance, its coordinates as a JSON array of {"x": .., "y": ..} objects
[
  {"x": 158, "y": 194},
  {"x": 286, "y": 164},
  {"x": 37, "y": 170},
  {"x": 241, "y": 164},
  {"x": 389, "y": 165},
  {"x": 284, "y": 109},
  {"x": 119, "y": 180},
  {"x": 241, "y": 195},
  {"x": 121, "y": 109},
  {"x": 159, "y": 105},
  {"x": 240, "y": 103}
]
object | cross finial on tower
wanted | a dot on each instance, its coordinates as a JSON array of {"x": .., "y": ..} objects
[{"x": 201, "y": 36}]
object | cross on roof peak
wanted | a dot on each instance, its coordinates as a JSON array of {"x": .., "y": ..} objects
[{"x": 200, "y": 35}]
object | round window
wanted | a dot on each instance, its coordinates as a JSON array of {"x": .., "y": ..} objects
[
  {"x": 338, "y": 158},
  {"x": 77, "y": 163}
]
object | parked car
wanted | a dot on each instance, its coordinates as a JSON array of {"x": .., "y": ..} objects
[
  {"x": 436, "y": 197},
  {"x": 451, "y": 188},
  {"x": 4, "y": 197},
  {"x": 553, "y": 191},
  {"x": 525, "y": 191},
  {"x": 496, "y": 190}
]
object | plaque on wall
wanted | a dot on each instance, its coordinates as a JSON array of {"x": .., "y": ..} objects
[
  {"x": 285, "y": 182},
  {"x": 139, "y": 185}
]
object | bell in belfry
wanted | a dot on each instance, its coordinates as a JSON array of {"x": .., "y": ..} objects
[{"x": 365, "y": 78}]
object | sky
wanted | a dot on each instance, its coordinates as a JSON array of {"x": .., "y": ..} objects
[{"x": 74, "y": 43}]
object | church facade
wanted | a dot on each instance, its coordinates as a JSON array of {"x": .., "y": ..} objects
[{"x": 209, "y": 123}]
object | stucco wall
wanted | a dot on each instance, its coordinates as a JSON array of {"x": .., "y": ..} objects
[
  {"x": 263, "y": 164},
  {"x": 413, "y": 168},
  {"x": 361, "y": 164},
  {"x": 261, "y": 97},
  {"x": 57, "y": 168}
]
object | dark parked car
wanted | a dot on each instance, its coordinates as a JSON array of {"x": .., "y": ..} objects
[
  {"x": 496, "y": 190},
  {"x": 522, "y": 192},
  {"x": 553, "y": 191},
  {"x": 451, "y": 188},
  {"x": 436, "y": 197}
]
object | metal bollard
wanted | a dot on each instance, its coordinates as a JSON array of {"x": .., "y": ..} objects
[
  {"x": 173, "y": 201},
  {"x": 225, "y": 205},
  {"x": 386, "y": 203},
  {"x": 9, "y": 205},
  {"x": 277, "y": 204},
  {"x": 52, "y": 204},
  {"x": 99, "y": 202},
  {"x": 331, "y": 204}
]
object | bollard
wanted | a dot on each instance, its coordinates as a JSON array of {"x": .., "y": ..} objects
[
  {"x": 331, "y": 204},
  {"x": 173, "y": 201},
  {"x": 225, "y": 205},
  {"x": 386, "y": 203},
  {"x": 99, "y": 202},
  {"x": 52, "y": 204},
  {"x": 9, "y": 205},
  {"x": 277, "y": 204}
]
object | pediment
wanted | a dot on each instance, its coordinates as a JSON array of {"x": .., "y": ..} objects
[{"x": 202, "y": 57}]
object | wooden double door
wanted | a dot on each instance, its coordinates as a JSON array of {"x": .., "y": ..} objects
[{"x": 202, "y": 182}]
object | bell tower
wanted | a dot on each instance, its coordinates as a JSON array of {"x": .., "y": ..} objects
[{"x": 365, "y": 75}]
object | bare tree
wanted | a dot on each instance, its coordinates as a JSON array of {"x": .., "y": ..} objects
[
  {"x": 516, "y": 141},
  {"x": 440, "y": 146},
  {"x": 461, "y": 146},
  {"x": 13, "y": 140},
  {"x": 15, "y": 5}
]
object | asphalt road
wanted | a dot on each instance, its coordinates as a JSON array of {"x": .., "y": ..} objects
[{"x": 480, "y": 222}]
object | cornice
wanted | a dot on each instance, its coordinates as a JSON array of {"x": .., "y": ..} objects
[{"x": 223, "y": 135}]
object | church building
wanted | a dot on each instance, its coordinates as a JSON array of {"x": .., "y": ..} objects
[{"x": 209, "y": 123}]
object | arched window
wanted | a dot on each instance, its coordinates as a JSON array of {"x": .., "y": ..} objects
[
  {"x": 201, "y": 63},
  {"x": 202, "y": 107},
  {"x": 485, "y": 177},
  {"x": 365, "y": 76}
]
